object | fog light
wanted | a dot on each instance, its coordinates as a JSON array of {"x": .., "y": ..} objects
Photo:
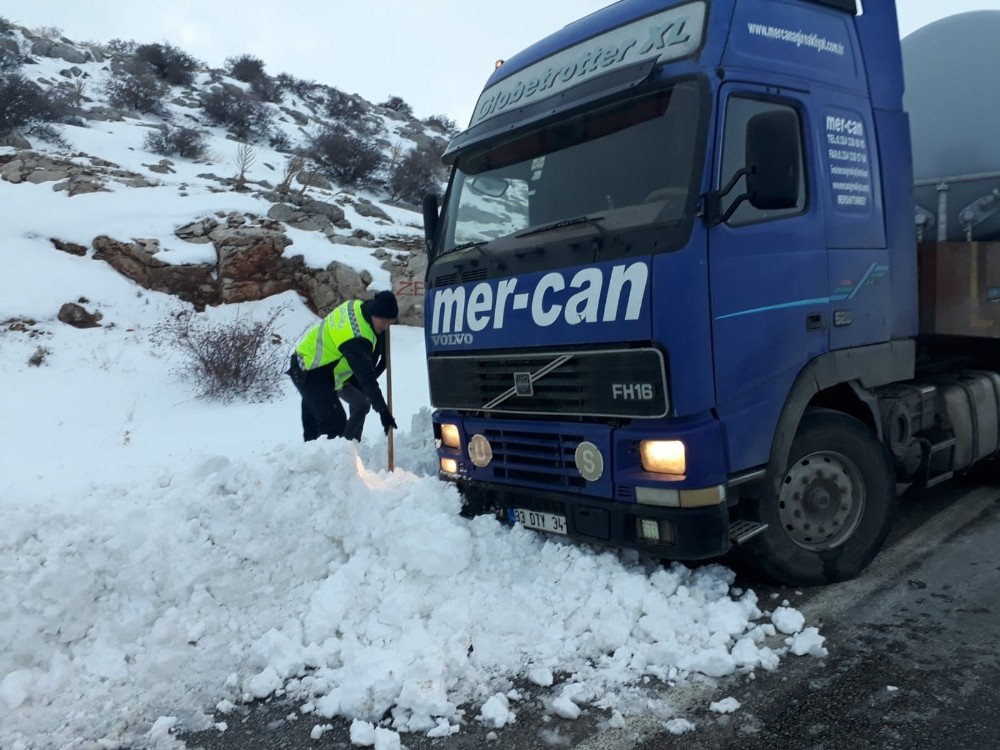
[
  {"x": 655, "y": 531},
  {"x": 649, "y": 529},
  {"x": 450, "y": 436},
  {"x": 449, "y": 465},
  {"x": 663, "y": 456}
]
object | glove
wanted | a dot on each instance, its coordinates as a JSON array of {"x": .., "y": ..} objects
[{"x": 388, "y": 422}]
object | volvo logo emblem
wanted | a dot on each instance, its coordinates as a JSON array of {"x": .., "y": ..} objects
[{"x": 523, "y": 385}]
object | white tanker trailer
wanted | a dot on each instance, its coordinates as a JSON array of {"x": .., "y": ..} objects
[{"x": 952, "y": 97}]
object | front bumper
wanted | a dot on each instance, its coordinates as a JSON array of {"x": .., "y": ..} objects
[{"x": 694, "y": 533}]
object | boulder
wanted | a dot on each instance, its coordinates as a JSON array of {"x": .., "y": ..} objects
[
  {"x": 69, "y": 247},
  {"x": 75, "y": 315},
  {"x": 250, "y": 263},
  {"x": 192, "y": 283},
  {"x": 369, "y": 209},
  {"x": 61, "y": 50}
]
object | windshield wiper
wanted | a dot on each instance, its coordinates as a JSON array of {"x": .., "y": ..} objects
[
  {"x": 465, "y": 246},
  {"x": 592, "y": 220}
]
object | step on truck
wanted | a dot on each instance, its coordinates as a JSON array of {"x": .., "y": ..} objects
[{"x": 672, "y": 297}]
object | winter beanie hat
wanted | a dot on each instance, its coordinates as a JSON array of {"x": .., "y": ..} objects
[{"x": 384, "y": 305}]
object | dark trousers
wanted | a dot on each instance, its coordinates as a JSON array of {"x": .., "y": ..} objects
[
  {"x": 322, "y": 412},
  {"x": 359, "y": 406}
]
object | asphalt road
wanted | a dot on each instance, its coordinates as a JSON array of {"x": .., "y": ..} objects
[{"x": 914, "y": 646}]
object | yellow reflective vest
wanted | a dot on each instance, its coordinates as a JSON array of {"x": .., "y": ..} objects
[{"x": 321, "y": 344}]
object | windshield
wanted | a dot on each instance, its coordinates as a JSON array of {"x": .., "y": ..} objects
[{"x": 634, "y": 152}]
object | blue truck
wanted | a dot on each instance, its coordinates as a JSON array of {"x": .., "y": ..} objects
[{"x": 672, "y": 296}]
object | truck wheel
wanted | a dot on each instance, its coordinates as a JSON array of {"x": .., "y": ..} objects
[{"x": 833, "y": 507}]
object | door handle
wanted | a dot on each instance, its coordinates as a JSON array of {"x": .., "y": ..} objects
[{"x": 815, "y": 322}]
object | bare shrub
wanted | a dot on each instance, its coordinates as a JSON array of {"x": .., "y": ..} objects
[
  {"x": 186, "y": 142},
  {"x": 280, "y": 140},
  {"x": 349, "y": 158},
  {"x": 445, "y": 124},
  {"x": 49, "y": 32},
  {"x": 240, "y": 360},
  {"x": 267, "y": 90},
  {"x": 23, "y": 104},
  {"x": 11, "y": 60},
  {"x": 340, "y": 106},
  {"x": 5, "y": 25},
  {"x": 38, "y": 358},
  {"x": 135, "y": 92},
  {"x": 45, "y": 132},
  {"x": 246, "y": 68},
  {"x": 298, "y": 86},
  {"x": 118, "y": 46},
  {"x": 242, "y": 116},
  {"x": 169, "y": 63},
  {"x": 397, "y": 104},
  {"x": 417, "y": 173}
]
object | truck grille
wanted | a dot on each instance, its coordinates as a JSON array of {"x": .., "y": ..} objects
[
  {"x": 604, "y": 383},
  {"x": 534, "y": 458}
]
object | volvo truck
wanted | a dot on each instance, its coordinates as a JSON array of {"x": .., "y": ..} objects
[{"x": 675, "y": 300}]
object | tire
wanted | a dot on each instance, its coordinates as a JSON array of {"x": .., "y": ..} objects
[{"x": 832, "y": 509}]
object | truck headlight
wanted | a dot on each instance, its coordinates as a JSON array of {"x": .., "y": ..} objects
[
  {"x": 450, "y": 436},
  {"x": 449, "y": 465},
  {"x": 663, "y": 456}
]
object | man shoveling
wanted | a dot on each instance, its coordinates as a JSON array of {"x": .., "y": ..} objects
[{"x": 339, "y": 348}]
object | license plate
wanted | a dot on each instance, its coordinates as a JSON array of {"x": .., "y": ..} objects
[{"x": 533, "y": 519}]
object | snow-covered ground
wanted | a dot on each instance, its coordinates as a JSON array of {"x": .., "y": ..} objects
[{"x": 164, "y": 558}]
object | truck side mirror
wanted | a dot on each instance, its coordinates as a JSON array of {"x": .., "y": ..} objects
[
  {"x": 430, "y": 208},
  {"x": 772, "y": 155},
  {"x": 771, "y": 168}
]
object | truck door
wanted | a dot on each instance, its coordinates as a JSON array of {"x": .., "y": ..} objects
[{"x": 769, "y": 283}]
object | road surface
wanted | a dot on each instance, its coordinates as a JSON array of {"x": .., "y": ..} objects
[{"x": 914, "y": 646}]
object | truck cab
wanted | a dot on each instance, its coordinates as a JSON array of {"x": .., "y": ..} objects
[{"x": 674, "y": 264}]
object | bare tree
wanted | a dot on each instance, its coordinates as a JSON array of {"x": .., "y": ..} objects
[
  {"x": 293, "y": 166},
  {"x": 395, "y": 154},
  {"x": 245, "y": 158},
  {"x": 79, "y": 92}
]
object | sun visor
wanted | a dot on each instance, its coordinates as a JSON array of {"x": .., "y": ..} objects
[{"x": 606, "y": 86}]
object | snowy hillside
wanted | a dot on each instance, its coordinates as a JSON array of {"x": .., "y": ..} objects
[{"x": 166, "y": 558}]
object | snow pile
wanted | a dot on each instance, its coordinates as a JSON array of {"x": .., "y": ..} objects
[{"x": 299, "y": 569}]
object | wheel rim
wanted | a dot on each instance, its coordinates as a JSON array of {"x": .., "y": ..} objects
[{"x": 821, "y": 501}]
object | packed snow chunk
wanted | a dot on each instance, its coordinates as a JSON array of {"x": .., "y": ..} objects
[
  {"x": 15, "y": 688},
  {"x": 809, "y": 641},
  {"x": 567, "y": 704},
  {"x": 280, "y": 652},
  {"x": 788, "y": 620},
  {"x": 386, "y": 739},
  {"x": 496, "y": 712},
  {"x": 617, "y": 721},
  {"x": 679, "y": 726},
  {"x": 713, "y": 662},
  {"x": 541, "y": 676},
  {"x": 319, "y": 730},
  {"x": 162, "y": 729},
  {"x": 725, "y": 706},
  {"x": 262, "y": 685},
  {"x": 362, "y": 733},
  {"x": 443, "y": 729}
]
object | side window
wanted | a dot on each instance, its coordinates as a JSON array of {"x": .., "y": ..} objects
[{"x": 739, "y": 110}]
